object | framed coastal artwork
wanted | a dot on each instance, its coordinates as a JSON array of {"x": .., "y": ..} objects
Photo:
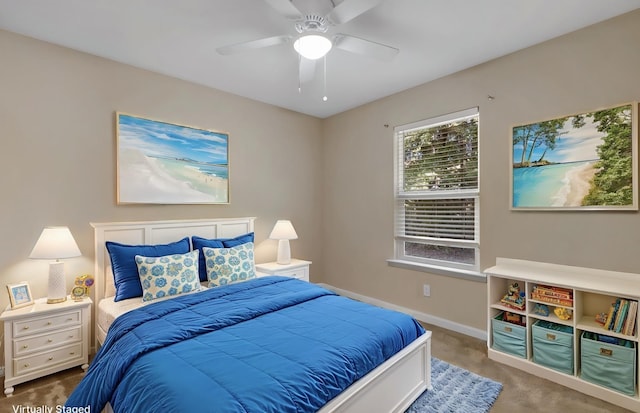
[
  {"x": 581, "y": 162},
  {"x": 167, "y": 163},
  {"x": 20, "y": 295}
]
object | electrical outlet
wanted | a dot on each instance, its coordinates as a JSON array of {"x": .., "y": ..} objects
[{"x": 426, "y": 290}]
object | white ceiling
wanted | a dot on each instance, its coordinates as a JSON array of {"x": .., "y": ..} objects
[{"x": 179, "y": 38}]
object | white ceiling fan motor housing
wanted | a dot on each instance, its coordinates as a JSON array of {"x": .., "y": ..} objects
[{"x": 312, "y": 23}]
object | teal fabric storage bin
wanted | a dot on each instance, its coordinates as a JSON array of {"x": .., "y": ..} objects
[
  {"x": 607, "y": 364},
  {"x": 553, "y": 345},
  {"x": 508, "y": 337}
]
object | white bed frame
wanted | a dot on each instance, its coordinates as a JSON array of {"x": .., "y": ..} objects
[{"x": 391, "y": 387}]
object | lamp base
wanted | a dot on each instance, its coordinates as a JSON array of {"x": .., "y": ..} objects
[
  {"x": 284, "y": 252},
  {"x": 57, "y": 292}
]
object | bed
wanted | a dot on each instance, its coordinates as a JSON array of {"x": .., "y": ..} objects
[{"x": 269, "y": 324}]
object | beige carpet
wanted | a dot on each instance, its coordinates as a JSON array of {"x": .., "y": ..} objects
[{"x": 521, "y": 392}]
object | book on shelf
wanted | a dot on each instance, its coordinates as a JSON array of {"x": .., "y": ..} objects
[
  {"x": 622, "y": 316},
  {"x": 555, "y": 292},
  {"x": 612, "y": 314},
  {"x": 552, "y": 300},
  {"x": 630, "y": 323}
]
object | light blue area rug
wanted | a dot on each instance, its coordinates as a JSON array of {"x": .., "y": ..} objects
[{"x": 456, "y": 390}]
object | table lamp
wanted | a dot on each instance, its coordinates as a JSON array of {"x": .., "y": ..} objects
[
  {"x": 283, "y": 231},
  {"x": 56, "y": 243}
]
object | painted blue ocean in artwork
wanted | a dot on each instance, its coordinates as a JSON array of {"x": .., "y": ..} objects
[{"x": 546, "y": 186}]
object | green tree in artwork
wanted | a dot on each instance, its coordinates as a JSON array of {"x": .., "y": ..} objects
[
  {"x": 613, "y": 182},
  {"x": 532, "y": 136}
]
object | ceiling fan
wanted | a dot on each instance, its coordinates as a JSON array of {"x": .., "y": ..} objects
[{"x": 312, "y": 43}]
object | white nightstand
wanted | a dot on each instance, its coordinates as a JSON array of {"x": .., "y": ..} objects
[
  {"x": 297, "y": 269},
  {"x": 42, "y": 339}
]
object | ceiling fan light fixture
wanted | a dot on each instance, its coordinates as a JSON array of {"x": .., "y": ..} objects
[{"x": 312, "y": 46}]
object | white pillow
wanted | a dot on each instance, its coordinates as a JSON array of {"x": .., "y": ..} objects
[
  {"x": 168, "y": 275},
  {"x": 229, "y": 265}
]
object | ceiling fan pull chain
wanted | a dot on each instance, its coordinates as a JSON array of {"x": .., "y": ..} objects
[
  {"x": 324, "y": 73},
  {"x": 299, "y": 80}
]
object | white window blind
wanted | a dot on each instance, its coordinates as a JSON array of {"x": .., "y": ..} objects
[{"x": 437, "y": 190}]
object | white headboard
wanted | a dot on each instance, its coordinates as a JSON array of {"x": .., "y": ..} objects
[{"x": 154, "y": 232}]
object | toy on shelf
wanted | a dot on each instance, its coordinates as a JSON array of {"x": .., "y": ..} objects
[
  {"x": 514, "y": 297},
  {"x": 563, "y": 313},
  {"x": 601, "y": 319},
  {"x": 541, "y": 309},
  {"x": 513, "y": 318}
]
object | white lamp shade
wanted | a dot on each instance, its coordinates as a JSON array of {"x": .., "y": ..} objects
[
  {"x": 312, "y": 46},
  {"x": 55, "y": 243},
  {"x": 283, "y": 230}
]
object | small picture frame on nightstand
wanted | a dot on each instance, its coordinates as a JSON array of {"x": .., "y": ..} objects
[{"x": 20, "y": 294}]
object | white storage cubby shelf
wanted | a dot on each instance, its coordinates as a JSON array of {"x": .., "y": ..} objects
[{"x": 593, "y": 292}]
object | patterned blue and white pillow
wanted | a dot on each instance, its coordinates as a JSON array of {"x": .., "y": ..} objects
[
  {"x": 168, "y": 275},
  {"x": 229, "y": 265}
]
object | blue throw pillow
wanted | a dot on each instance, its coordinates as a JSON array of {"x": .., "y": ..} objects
[
  {"x": 199, "y": 243},
  {"x": 125, "y": 269}
]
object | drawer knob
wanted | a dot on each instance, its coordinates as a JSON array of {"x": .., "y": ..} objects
[
  {"x": 48, "y": 323},
  {"x": 25, "y": 327},
  {"x": 50, "y": 358},
  {"x": 26, "y": 365},
  {"x": 72, "y": 353},
  {"x": 25, "y": 346}
]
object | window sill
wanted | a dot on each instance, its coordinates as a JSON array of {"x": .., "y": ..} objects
[{"x": 434, "y": 269}]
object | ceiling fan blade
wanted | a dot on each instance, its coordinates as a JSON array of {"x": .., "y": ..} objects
[
  {"x": 254, "y": 44},
  {"x": 285, "y": 8},
  {"x": 350, "y": 9},
  {"x": 307, "y": 70},
  {"x": 364, "y": 47}
]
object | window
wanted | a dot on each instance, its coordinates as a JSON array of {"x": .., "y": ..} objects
[{"x": 437, "y": 191}]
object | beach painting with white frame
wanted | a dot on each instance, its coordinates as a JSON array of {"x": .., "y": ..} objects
[
  {"x": 580, "y": 162},
  {"x": 166, "y": 163}
]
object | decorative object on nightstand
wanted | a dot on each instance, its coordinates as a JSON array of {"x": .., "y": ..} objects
[
  {"x": 44, "y": 339},
  {"x": 296, "y": 269},
  {"x": 283, "y": 231},
  {"x": 20, "y": 295},
  {"x": 56, "y": 243},
  {"x": 82, "y": 287}
]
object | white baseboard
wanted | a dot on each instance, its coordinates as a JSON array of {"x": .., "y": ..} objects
[{"x": 418, "y": 315}]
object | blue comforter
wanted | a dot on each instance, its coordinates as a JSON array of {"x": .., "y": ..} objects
[{"x": 272, "y": 344}]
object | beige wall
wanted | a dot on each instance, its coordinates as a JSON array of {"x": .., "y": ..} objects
[
  {"x": 57, "y": 129},
  {"x": 590, "y": 69},
  {"x": 58, "y": 162}
]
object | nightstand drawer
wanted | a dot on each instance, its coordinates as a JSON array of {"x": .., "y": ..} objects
[
  {"x": 31, "y": 326},
  {"x": 295, "y": 269},
  {"x": 45, "y": 360},
  {"x": 299, "y": 273},
  {"x": 55, "y": 339}
]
